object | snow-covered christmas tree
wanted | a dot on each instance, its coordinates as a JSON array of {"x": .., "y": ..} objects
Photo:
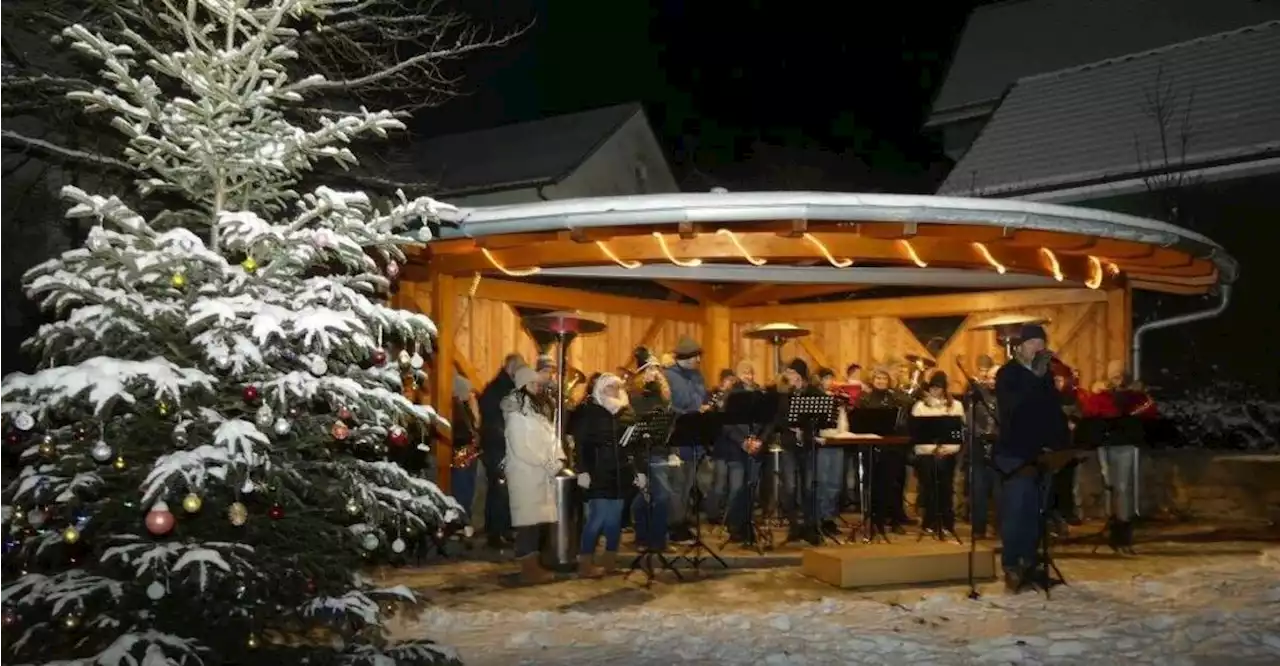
[{"x": 192, "y": 488}]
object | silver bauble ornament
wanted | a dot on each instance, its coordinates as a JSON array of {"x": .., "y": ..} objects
[
  {"x": 369, "y": 541},
  {"x": 416, "y": 361},
  {"x": 397, "y": 546},
  {"x": 404, "y": 359},
  {"x": 155, "y": 591},
  {"x": 282, "y": 426},
  {"x": 24, "y": 421},
  {"x": 102, "y": 452},
  {"x": 264, "y": 417},
  {"x": 318, "y": 366}
]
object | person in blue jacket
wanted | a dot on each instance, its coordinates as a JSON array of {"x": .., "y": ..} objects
[{"x": 688, "y": 396}]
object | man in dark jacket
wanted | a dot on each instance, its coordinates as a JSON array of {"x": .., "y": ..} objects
[
  {"x": 795, "y": 382},
  {"x": 1031, "y": 422},
  {"x": 493, "y": 449}
]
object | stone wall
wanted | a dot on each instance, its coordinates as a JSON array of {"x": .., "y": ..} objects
[{"x": 1195, "y": 483}]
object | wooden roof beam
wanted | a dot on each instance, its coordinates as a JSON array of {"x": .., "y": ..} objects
[
  {"x": 921, "y": 306},
  {"x": 702, "y": 293},
  {"x": 560, "y": 298}
]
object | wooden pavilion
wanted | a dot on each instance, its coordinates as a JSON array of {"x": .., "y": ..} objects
[{"x": 855, "y": 269}]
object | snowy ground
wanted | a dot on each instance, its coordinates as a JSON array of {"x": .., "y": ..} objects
[{"x": 1219, "y": 610}]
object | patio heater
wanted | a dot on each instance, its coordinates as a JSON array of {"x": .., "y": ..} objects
[
  {"x": 563, "y": 328},
  {"x": 1006, "y": 328},
  {"x": 776, "y": 334}
]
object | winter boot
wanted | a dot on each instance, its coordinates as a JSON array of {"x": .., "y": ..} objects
[
  {"x": 586, "y": 568},
  {"x": 1115, "y": 534},
  {"x": 1126, "y": 535},
  {"x": 531, "y": 571},
  {"x": 609, "y": 561}
]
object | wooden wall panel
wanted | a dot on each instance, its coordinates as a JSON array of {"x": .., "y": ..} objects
[{"x": 1078, "y": 332}]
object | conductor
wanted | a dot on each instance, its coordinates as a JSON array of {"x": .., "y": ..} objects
[{"x": 1031, "y": 422}]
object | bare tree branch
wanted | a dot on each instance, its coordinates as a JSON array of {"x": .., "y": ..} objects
[{"x": 63, "y": 154}]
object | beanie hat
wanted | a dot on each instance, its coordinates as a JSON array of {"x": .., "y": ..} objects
[
  {"x": 938, "y": 380},
  {"x": 798, "y": 366},
  {"x": 644, "y": 358},
  {"x": 1032, "y": 332}
]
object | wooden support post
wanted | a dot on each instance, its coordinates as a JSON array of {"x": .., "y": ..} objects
[
  {"x": 717, "y": 342},
  {"x": 444, "y": 311},
  {"x": 1119, "y": 323}
]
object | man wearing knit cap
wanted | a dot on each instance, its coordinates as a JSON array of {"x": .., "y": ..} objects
[
  {"x": 1031, "y": 422},
  {"x": 688, "y": 396},
  {"x": 795, "y": 454}
]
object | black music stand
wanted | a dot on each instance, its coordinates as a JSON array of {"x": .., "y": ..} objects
[
  {"x": 871, "y": 421},
  {"x": 1094, "y": 433},
  {"x": 1047, "y": 573},
  {"x": 653, "y": 428},
  {"x": 697, "y": 426},
  {"x": 937, "y": 431},
  {"x": 750, "y": 408},
  {"x": 812, "y": 413}
]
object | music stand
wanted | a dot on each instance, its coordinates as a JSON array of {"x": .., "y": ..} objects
[
  {"x": 937, "y": 431},
  {"x": 751, "y": 408},
  {"x": 812, "y": 413},
  {"x": 1094, "y": 433},
  {"x": 696, "y": 426},
  {"x": 652, "y": 428},
  {"x": 871, "y": 421},
  {"x": 1046, "y": 465}
]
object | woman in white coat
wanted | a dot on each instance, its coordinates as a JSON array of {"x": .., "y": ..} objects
[
  {"x": 533, "y": 459},
  {"x": 936, "y": 463}
]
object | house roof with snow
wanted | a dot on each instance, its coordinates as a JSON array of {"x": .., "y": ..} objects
[
  {"x": 1006, "y": 41},
  {"x": 1097, "y": 123},
  {"x": 520, "y": 155}
]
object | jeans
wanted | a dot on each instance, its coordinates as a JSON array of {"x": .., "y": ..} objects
[
  {"x": 1020, "y": 501},
  {"x": 786, "y": 470},
  {"x": 1117, "y": 474},
  {"x": 983, "y": 485},
  {"x": 937, "y": 476},
  {"x": 463, "y": 489},
  {"x": 740, "y": 476},
  {"x": 830, "y": 480},
  {"x": 683, "y": 479},
  {"x": 717, "y": 501},
  {"x": 497, "y": 504},
  {"x": 652, "y": 517},
  {"x": 604, "y": 516}
]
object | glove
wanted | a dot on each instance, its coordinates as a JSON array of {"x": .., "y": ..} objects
[
  {"x": 674, "y": 460},
  {"x": 584, "y": 480},
  {"x": 642, "y": 481},
  {"x": 554, "y": 466}
]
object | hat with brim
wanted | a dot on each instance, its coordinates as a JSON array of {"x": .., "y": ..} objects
[
  {"x": 525, "y": 376},
  {"x": 686, "y": 348}
]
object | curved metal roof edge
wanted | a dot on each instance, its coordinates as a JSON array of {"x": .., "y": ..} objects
[{"x": 664, "y": 209}]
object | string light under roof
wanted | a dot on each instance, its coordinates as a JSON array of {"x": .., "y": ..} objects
[
  {"x": 509, "y": 272},
  {"x": 629, "y": 265},
  {"x": 816, "y": 242},
  {"x": 911, "y": 253},
  {"x": 1054, "y": 266},
  {"x": 733, "y": 238},
  {"x": 666, "y": 251},
  {"x": 986, "y": 255}
]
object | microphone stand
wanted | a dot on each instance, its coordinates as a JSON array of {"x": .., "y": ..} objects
[{"x": 976, "y": 399}]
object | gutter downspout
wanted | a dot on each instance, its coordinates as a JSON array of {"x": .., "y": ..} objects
[{"x": 1224, "y": 296}]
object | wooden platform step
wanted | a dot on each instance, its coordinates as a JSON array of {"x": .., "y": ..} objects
[{"x": 902, "y": 563}]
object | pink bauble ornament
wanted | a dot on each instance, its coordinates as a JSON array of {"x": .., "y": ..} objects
[
  {"x": 160, "y": 520},
  {"x": 393, "y": 270},
  {"x": 397, "y": 436}
]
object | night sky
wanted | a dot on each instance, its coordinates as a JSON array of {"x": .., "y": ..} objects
[{"x": 837, "y": 91}]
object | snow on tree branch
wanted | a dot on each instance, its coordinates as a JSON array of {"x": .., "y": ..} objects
[{"x": 103, "y": 381}]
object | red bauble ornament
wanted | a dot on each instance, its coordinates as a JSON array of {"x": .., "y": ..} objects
[
  {"x": 397, "y": 436},
  {"x": 344, "y": 413},
  {"x": 13, "y": 439},
  {"x": 311, "y": 586},
  {"x": 276, "y": 512},
  {"x": 250, "y": 394},
  {"x": 379, "y": 356},
  {"x": 160, "y": 520}
]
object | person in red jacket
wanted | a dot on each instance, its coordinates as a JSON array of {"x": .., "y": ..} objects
[{"x": 1124, "y": 404}]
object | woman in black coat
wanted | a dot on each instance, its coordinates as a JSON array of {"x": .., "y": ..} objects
[{"x": 606, "y": 470}]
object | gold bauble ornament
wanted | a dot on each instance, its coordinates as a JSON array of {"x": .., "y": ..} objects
[
  {"x": 71, "y": 534},
  {"x": 353, "y": 507},
  {"x": 47, "y": 447},
  {"x": 192, "y": 503},
  {"x": 163, "y": 408},
  {"x": 252, "y": 641},
  {"x": 249, "y": 265},
  {"x": 238, "y": 514},
  {"x": 17, "y": 514},
  {"x": 178, "y": 280},
  {"x": 71, "y": 621},
  {"x": 119, "y": 463}
]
